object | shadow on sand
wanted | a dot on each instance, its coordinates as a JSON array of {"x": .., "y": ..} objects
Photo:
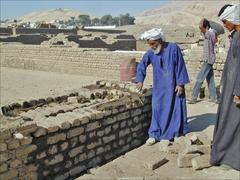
[{"x": 201, "y": 122}]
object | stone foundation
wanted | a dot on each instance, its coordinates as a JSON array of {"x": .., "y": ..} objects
[{"x": 62, "y": 137}]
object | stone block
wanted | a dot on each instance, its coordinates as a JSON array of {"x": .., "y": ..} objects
[
  {"x": 75, "y": 151},
  {"x": 93, "y": 126},
  {"x": 26, "y": 141},
  {"x": 56, "y": 159},
  {"x": 184, "y": 160},
  {"x": 62, "y": 176},
  {"x": 15, "y": 163},
  {"x": 40, "y": 132},
  {"x": 163, "y": 145},
  {"x": 11, "y": 174},
  {"x": 77, "y": 170},
  {"x": 75, "y": 132},
  {"x": 201, "y": 162},
  {"x": 82, "y": 138},
  {"x": 3, "y": 147},
  {"x": 25, "y": 150},
  {"x": 64, "y": 146},
  {"x": 123, "y": 115},
  {"x": 124, "y": 132},
  {"x": 108, "y": 139},
  {"x": 3, "y": 167},
  {"x": 155, "y": 163},
  {"x": 202, "y": 149},
  {"x": 53, "y": 149},
  {"x": 13, "y": 144},
  {"x": 41, "y": 155},
  {"x": 56, "y": 138}
]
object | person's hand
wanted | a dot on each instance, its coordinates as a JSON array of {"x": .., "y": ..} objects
[
  {"x": 236, "y": 99},
  {"x": 179, "y": 90},
  {"x": 139, "y": 86}
]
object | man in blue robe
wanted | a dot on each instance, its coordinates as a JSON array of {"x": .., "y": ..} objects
[{"x": 169, "y": 113}]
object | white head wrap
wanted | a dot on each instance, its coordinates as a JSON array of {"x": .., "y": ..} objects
[
  {"x": 153, "y": 34},
  {"x": 232, "y": 14}
]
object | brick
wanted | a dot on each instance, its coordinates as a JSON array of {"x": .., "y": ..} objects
[
  {"x": 107, "y": 148},
  {"x": 25, "y": 150},
  {"x": 3, "y": 147},
  {"x": 92, "y": 134},
  {"x": 82, "y": 138},
  {"x": 155, "y": 163},
  {"x": 53, "y": 149},
  {"x": 75, "y": 132},
  {"x": 108, "y": 139},
  {"x": 56, "y": 138},
  {"x": 123, "y": 124},
  {"x": 100, "y": 150},
  {"x": 136, "y": 112},
  {"x": 100, "y": 133},
  {"x": 91, "y": 154},
  {"x": 74, "y": 141},
  {"x": 68, "y": 164},
  {"x": 109, "y": 120},
  {"x": 93, "y": 126},
  {"x": 26, "y": 141},
  {"x": 13, "y": 173},
  {"x": 80, "y": 158},
  {"x": 136, "y": 128},
  {"x": 122, "y": 116},
  {"x": 124, "y": 132},
  {"x": 15, "y": 163},
  {"x": 66, "y": 125},
  {"x": 203, "y": 149},
  {"x": 107, "y": 130},
  {"x": 115, "y": 126},
  {"x": 184, "y": 160},
  {"x": 94, "y": 144},
  {"x": 41, "y": 155},
  {"x": 64, "y": 146},
  {"x": 56, "y": 159},
  {"x": 77, "y": 170},
  {"x": 40, "y": 132},
  {"x": 62, "y": 176},
  {"x": 13, "y": 144},
  {"x": 75, "y": 151},
  {"x": 201, "y": 162},
  {"x": 3, "y": 167}
]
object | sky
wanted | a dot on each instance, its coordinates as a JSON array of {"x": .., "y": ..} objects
[{"x": 11, "y": 9}]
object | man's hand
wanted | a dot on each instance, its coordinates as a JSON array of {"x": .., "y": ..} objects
[
  {"x": 179, "y": 90},
  {"x": 139, "y": 86},
  {"x": 236, "y": 99}
]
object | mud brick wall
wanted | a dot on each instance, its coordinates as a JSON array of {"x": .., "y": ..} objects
[
  {"x": 38, "y": 31},
  {"x": 62, "y": 137},
  {"x": 105, "y": 64}
]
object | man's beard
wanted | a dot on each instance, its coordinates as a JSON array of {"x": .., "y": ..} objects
[{"x": 157, "y": 50}]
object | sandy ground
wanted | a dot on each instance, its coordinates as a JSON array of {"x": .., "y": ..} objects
[{"x": 18, "y": 85}]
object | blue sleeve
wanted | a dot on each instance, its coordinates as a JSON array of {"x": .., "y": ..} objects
[
  {"x": 142, "y": 68},
  {"x": 181, "y": 71}
]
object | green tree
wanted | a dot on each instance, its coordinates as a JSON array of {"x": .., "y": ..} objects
[
  {"x": 84, "y": 19},
  {"x": 116, "y": 21},
  {"x": 107, "y": 20},
  {"x": 96, "y": 21},
  {"x": 126, "y": 19}
]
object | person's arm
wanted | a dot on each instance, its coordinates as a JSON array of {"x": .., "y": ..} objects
[
  {"x": 236, "y": 90},
  {"x": 141, "y": 70},
  {"x": 181, "y": 72},
  {"x": 210, "y": 37}
]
